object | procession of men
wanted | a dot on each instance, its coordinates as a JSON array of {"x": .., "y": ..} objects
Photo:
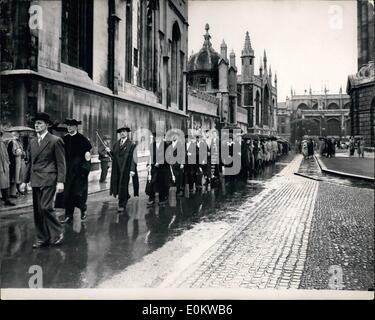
[{"x": 58, "y": 168}]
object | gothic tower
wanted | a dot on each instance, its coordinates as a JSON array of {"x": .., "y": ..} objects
[{"x": 247, "y": 75}]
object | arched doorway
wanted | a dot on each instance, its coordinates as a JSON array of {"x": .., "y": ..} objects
[{"x": 333, "y": 127}]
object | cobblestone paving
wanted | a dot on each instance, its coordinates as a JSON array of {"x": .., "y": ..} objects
[
  {"x": 342, "y": 238},
  {"x": 267, "y": 249}
]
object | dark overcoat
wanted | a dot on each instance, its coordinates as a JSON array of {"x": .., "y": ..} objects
[
  {"x": 77, "y": 167},
  {"x": 122, "y": 164}
]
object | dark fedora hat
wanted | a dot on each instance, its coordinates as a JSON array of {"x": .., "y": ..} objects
[
  {"x": 72, "y": 122},
  {"x": 43, "y": 116},
  {"x": 124, "y": 128}
]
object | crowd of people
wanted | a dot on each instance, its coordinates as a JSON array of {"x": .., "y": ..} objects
[{"x": 57, "y": 167}]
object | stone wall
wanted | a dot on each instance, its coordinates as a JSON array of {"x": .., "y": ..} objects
[{"x": 362, "y": 113}]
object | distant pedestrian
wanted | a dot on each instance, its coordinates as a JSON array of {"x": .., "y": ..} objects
[
  {"x": 46, "y": 171},
  {"x": 105, "y": 158},
  {"x": 351, "y": 146},
  {"x": 17, "y": 165},
  {"x": 360, "y": 148},
  {"x": 78, "y": 164},
  {"x": 4, "y": 172},
  {"x": 310, "y": 147}
]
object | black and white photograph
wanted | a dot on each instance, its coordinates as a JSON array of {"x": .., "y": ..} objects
[{"x": 175, "y": 149}]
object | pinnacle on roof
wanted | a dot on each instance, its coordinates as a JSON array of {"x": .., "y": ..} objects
[
  {"x": 207, "y": 37},
  {"x": 247, "y": 49},
  {"x": 223, "y": 44},
  {"x": 260, "y": 64}
]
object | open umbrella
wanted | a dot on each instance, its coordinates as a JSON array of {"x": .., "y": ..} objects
[
  {"x": 19, "y": 128},
  {"x": 252, "y": 136}
]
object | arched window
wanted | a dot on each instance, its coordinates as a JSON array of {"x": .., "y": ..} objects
[
  {"x": 257, "y": 107},
  {"x": 265, "y": 107},
  {"x": 346, "y": 105},
  {"x": 303, "y": 106},
  {"x": 333, "y": 106},
  {"x": 128, "y": 42},
  {"x": 315, "y": 106},
  {"x": 176, "y": 70},
  {"x": 372, "y": 123}
]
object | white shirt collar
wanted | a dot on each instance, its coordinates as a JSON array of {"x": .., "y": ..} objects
[
  {"x": 41, "y": 136},
  {"x": 174, "y": 143},
  {"x": 73, "y": 133}
]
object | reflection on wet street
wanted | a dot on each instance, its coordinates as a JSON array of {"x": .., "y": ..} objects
[
  {"x": 310, "y": 168},
  {"x": 108, "y": 242}
]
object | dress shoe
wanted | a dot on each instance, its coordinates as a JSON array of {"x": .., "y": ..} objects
[
  {"x": 59, "y": 240},
  {"x": 67, "y": 220},
  {"x": 40, "y": 244},
  {"x": 9, "y": 203},
  {"x": 83, "y": 216}
]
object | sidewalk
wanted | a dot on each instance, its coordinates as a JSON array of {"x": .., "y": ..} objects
[
  {"x": 266, "y": 248},
  {"x": 344, "y": 165},
  {"x": 94, "y": 187}
]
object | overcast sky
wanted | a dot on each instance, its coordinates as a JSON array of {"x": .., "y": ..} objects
[{"x": 307, "y": 42}]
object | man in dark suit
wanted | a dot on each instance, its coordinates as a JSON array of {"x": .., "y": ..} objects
[
  {"x": 123, "y": 167},
  {"x": 46, "y": 171}
]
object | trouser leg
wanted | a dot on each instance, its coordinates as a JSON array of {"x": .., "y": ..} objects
[
  {"x": 52, "y": 224},
  {"x": 104, "y": 170}
]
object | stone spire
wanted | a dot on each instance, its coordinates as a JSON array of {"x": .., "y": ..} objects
[
  {"x": 260, "y": 67},
  {"x": 232, "y": 57},
  {"x": 207, "y": 37},
  {"x": 270, "y": 72},
  {"x": 265, "y": 60},
  {"x": 223, "y": 50},
  {"x": 247, "y": 49}
]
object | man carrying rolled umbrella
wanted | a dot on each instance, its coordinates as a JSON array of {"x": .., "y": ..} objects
[
  {"x": 78, "y": 163},
  {"x": 123, "y": 167}
]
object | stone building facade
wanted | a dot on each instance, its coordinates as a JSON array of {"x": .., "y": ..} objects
[
  {"x": 106, "y": 62},
  {"x": 361, "y": 86},
  {"x": 245, "y": 101},
  {"x": 283, "y": 116},
  {"x": 329, "y": 112}
]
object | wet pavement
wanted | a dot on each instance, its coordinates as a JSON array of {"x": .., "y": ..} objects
[
  {"x": 310, "y": 169},
  {"x": 109, "y": 242}
]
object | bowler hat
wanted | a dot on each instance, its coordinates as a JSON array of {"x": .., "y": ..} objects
[
  {"x": 123, "y": 129},
  {"x": 43, "y": 116},
  {"x": 72, "y": 122}
]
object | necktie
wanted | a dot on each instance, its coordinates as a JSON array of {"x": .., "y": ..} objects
[{"x": 39, "y": 140}]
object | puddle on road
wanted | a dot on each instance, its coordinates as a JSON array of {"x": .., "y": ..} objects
[
  {"x": 310, "y": 168},
  {"x": 108, "y": 242}
]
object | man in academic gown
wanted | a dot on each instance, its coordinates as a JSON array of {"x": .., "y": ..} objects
[
  {"x": 123, "y": 167},
  {"x": 78, "y": 164}
]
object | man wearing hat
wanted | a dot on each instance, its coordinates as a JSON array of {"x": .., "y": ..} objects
[
  {"x": 160, "y": 169},
  {"x": 123, "y": 167},
  {"x": 46, "y": 171},
  {"x": 104, "y": 158},
  {"x": 78, "y": 163}
]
